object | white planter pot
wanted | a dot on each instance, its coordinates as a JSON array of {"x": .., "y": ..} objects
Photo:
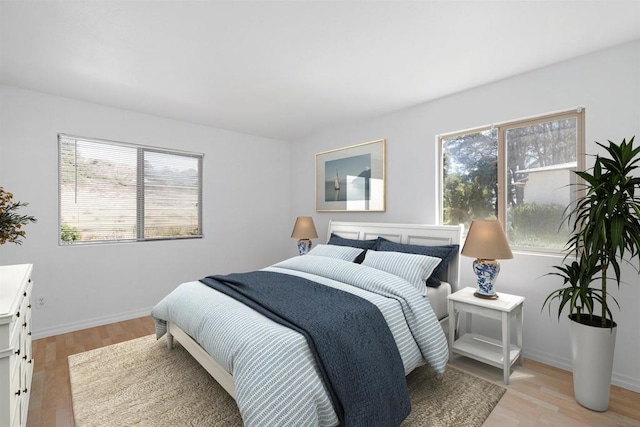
[{"x": 592, "y": 351}]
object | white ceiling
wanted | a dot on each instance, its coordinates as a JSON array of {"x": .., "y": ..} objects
[{"x": 287, "y": 69}]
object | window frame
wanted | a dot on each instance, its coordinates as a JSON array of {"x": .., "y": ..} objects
[
  {"x": 140, "y": 190},
  {"x": 502, "y": 128}
]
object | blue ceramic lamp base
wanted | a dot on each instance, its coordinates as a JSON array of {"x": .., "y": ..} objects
[
  {"x": 304, "y": 246},
  {"x": 487, "y": 272}
]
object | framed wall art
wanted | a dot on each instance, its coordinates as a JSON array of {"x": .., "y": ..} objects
[{"x": 352, "y": 178}]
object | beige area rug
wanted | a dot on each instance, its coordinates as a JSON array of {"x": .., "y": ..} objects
[{"x": 140, "y": 382}]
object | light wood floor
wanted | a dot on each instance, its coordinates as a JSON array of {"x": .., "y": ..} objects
[
  {"x": 538, "y": 395},
  {"x": 50, "y": 401}
]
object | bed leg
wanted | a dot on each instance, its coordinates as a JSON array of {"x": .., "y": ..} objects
[{"x": 169, "y": 341}]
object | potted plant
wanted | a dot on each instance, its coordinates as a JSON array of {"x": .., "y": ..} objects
[
  {"x": 11, "y": 222},
  {"x": 605, "y": 231}
]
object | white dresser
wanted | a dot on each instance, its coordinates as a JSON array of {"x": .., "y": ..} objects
[{"x": 16, "y": 359}]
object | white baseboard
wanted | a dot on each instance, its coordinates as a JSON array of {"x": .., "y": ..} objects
[
  {"x": 548, "y": 359},
  {"x": 619, "y": 380},
  {"x": 90, "y": 323},
  {"x": 624, "y": 381}
]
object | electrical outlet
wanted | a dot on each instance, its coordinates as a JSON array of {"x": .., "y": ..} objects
[{"x": 41, "y": 302}]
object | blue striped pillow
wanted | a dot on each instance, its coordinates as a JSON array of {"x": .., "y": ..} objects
[
  {"x": 415, "y": 269},
  {"x": 446, "y": 253},
  {"x": 345, "y": 253}
]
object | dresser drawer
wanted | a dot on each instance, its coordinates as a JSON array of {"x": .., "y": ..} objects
[
  {"x": 23, "y": 312},
  {"x": 16, "y": 415},
  {"x": 25, "y": 303},
  {"x": 16, "y": 351},
  {"x": 15, "y": 392},
  {"x": 25, "y": 337}
]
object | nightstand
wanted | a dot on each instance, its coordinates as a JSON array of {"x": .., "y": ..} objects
[{"x": 501, "y": 354}]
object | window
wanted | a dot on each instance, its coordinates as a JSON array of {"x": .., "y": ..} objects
[
  {"x": 520, "y": 173},
  {"x": 116, "y": 192}
]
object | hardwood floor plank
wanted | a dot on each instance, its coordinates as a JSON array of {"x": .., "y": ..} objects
[{"x": 538, "y": 394}]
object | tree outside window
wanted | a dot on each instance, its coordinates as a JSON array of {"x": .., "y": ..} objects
[{"x": 470, "y": 177}]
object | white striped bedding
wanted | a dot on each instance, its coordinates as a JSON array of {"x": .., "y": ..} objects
[{"x": 275, "y": 376}]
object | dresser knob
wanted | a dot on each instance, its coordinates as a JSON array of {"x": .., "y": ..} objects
[
  {"x": 17, "y": 352},
  {"x": 29, "y": 306},
  {"x": 24, "y": 357},
  {"x": 29, "y": 333},
  {"x": 24, "y": 294},
  {"x": 25, "y": 390},
  {"x": 18, "y": 314},
  {"x": 24, "y": 325},
  {"x": 18, "y": 393},
  {"x": 30, "y": 361}
]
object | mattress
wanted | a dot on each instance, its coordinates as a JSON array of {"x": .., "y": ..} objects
[{"x": 438, "y": 299}]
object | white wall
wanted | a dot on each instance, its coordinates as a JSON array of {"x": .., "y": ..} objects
[
  {"x": 606, "y": 83},
  {"x": 246, "y": 210}
]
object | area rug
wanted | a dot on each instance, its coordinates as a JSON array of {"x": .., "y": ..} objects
[{"x": 140, "y": 382}]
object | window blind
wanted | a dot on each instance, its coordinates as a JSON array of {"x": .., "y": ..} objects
[{"x": 117, "y": 192}]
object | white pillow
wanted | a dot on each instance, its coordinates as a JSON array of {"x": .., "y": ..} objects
[
  {"x": 413, "y": 268},
  {"x": 346, "y": 253}
]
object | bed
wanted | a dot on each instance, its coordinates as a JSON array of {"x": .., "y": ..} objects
[{"x": 217, "y": 329}]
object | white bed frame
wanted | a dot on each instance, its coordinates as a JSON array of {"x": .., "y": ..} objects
[{"x": 424, "y": 235}]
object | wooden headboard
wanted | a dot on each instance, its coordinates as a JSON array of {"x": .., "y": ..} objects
[{"x": 414, "y": 234}]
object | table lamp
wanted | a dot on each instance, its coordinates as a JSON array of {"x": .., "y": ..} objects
[
  {"x": 305, "y": 230},
  {"x": 486, "y": 242}
]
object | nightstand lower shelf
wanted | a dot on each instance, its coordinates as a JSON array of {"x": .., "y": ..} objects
[{"x": 484, "y": 349}]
